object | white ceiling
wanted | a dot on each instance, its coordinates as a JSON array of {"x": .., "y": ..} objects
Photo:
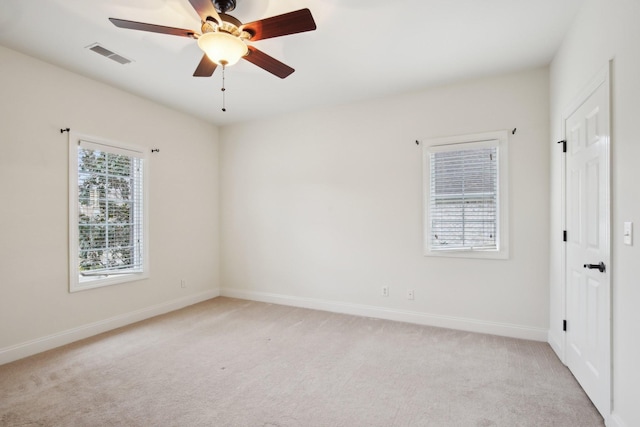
[{"x": 361, "y": 49}]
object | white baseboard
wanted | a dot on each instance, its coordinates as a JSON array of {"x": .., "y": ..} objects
[
  {"x": 15, "y": 352},
  {"x": 616, "y": 421},
  {"x": 556, "y": 345},
  {"x": 472, "y": 325}
]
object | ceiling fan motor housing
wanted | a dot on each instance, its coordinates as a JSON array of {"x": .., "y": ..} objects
[{"x": 224, "y": 6}]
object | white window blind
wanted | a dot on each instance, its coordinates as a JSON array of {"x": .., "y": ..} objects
[
  {"x": 109, "y": 239},
  {"x": 464, "y": 199},
  {"x": 466, "y": 196}
]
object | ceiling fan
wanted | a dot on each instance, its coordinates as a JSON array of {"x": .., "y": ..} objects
[{"x": 224, "y": 37}]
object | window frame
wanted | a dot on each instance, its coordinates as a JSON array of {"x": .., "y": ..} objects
[
  {"x": 498, "y": 139},
  {"x": 115, "y": 147}
]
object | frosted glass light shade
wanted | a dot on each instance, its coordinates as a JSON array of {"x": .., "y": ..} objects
[{"x": 222, "y": 48}]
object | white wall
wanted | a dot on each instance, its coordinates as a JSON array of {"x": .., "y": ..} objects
[
  {"x": 323, "y": 208},
  {"x": 606, "y": 29},
  {"x": 36, "y": 309}
]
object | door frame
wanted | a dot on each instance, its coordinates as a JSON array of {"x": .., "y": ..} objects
[{"x": 602, "y": 78}]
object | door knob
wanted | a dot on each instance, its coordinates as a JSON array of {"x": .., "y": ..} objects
[{"x": 600, "y": 266}]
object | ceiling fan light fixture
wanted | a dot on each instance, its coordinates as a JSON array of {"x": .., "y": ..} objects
[{"x": 222, "y": 48}]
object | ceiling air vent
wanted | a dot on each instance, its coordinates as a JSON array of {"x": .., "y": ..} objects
[{"x": 97, "y": 48}]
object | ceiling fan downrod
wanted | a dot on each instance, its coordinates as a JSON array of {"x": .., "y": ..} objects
[{"x": 224, "y": 6}]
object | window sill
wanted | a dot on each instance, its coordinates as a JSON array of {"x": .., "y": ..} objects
[
  {"x": 460, "y": 253},
  {"x": 88, "y": 282}
]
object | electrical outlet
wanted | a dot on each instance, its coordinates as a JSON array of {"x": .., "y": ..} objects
[
  {"x": 385, "y": 291},
  {"x": 183, "y": 283},
  {"x": 411, "y": 294}
]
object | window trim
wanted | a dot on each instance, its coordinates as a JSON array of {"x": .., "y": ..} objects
[
  {"x": 450, "y": 143},
  {"x": 75, "y": 284}
]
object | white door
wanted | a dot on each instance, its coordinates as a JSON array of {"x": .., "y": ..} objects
[{"x": 588, "y": 294}]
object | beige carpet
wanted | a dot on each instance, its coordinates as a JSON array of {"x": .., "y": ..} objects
[{"x": 229, "y": 362}]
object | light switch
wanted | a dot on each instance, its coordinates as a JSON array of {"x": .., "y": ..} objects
[{"x": 628, "y": 233}]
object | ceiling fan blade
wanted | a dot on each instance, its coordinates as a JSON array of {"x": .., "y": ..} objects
[
  {"x": 205, "y": 68},
  {"x": 132, "y": 25},
  {"x": 268, "y": 63},
  {"x": 298, "y": 21},
  {"x": 205, "y": 9}
]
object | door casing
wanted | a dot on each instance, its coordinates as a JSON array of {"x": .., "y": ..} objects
[{"x": 603, "y": 77}]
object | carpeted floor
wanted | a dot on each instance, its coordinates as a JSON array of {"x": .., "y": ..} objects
[{"x": 228, "y": 362}]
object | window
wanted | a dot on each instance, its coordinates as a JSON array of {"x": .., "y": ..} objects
[
  {"x": 108, "y": 211},
  {"x": 465, "y": 204}
]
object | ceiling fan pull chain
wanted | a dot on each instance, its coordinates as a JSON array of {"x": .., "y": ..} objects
[{"x": 223, "y": 90}]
